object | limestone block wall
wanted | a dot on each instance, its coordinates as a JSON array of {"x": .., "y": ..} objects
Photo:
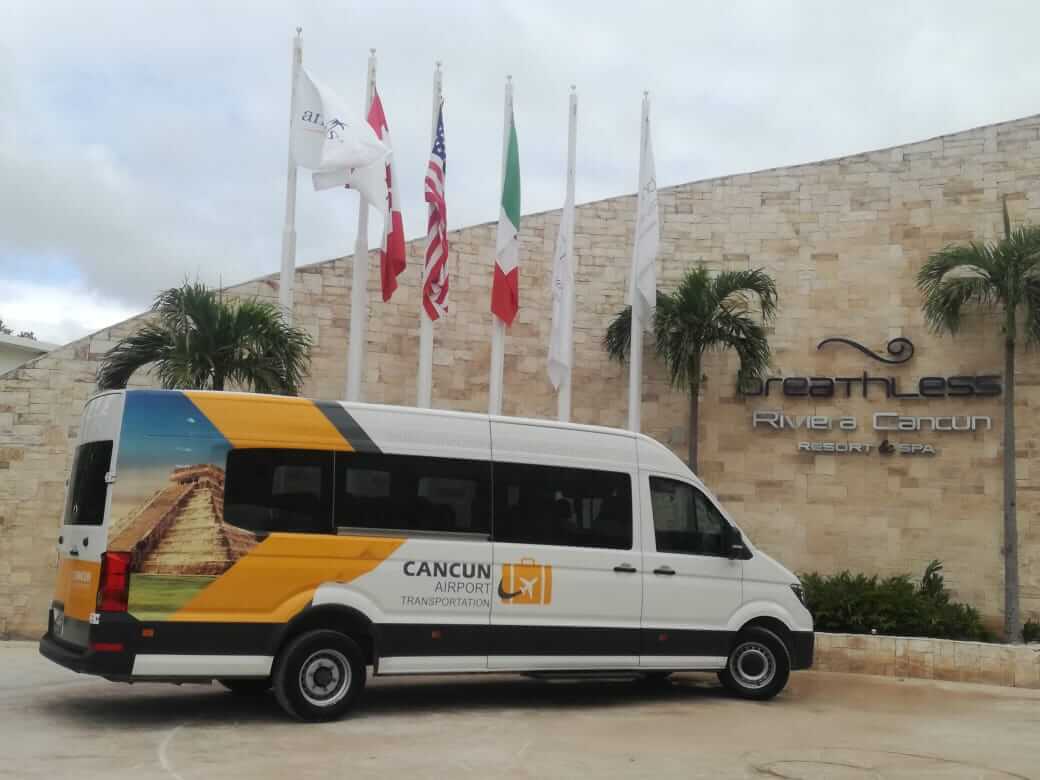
[
  {"x": 844, "y": 239},
  {"x": 1016, "y": 666}
]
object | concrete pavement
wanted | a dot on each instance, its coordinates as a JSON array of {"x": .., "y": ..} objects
[{"x": 57, "y": 724}]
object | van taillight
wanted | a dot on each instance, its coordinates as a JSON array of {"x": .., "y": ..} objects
[{"x": 114, "y": 589}]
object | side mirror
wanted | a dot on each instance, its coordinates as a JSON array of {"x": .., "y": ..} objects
[{"x": 736, "y": 549}]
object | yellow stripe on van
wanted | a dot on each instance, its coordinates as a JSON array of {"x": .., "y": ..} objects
[
  {"x": 277, "y": 578},
  {"x": 254, "y": 421},
  {"x": 77, "y": 587}
]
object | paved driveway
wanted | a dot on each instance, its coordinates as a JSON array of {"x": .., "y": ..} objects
[{"x": 57, "y": 724}]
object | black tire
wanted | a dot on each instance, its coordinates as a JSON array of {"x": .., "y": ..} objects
[
  {"x": 319, "y": 675},
  {"x": 243, "y": 686},
  {"x": 758, "y": 665}
]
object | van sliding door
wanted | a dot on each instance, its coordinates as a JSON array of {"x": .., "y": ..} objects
[{"x": 567, "y": 563}]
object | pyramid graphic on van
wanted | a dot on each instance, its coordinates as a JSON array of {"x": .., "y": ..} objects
[{"x": 181, "y": 530}]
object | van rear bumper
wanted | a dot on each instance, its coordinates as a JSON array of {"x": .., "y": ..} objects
[
  {"x": 117, "y": 666},
  {"x": 802, "y": 646}
]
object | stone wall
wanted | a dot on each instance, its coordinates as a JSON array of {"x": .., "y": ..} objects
[
  {"x": 1016, "y": 666},
  {"x": 843, "y": 238}
]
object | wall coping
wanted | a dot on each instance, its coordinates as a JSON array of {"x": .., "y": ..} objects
[{"x": 1015, "y": 666}]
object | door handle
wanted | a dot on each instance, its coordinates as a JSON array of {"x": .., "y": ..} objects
[
  {"x": 74, "y": 551},
  {"x": 625, "y": 568},
  {"x": 664, "y": 570}
]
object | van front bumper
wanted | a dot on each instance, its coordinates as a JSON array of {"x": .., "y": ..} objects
[{"x": 802, "y": 646}]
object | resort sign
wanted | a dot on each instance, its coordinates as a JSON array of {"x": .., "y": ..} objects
[
  {"x": 868, "y": 385},
  {"x": 887, "y": 423}
]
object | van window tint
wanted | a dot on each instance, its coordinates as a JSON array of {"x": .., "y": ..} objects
[
  {"x": 411, "y": 493},
  {"x": 87, "y": 488},
  {"x": 562, "y": 506},
  {"x": 685, "y": 521},
  {"x": 269, "y": 490}
]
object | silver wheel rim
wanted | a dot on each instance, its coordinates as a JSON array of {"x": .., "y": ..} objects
[
  {"x": 753, "y": 665},
  {"x": 325, "y": 677}
]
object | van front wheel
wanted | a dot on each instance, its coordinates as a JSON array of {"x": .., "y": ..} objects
[
  {"x": 758, "y": 665},
  {"x": 319, "y": 675}
]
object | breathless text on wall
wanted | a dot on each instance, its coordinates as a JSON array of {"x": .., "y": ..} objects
[{"x": 884, "y": 423}]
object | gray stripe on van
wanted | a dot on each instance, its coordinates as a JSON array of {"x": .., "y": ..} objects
[{"x": 347, "y": 426}]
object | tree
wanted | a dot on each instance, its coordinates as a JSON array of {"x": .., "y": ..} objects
[
  {"x": 198, "y": 340},
  {"x": 705, "y": 313},
  {"x": 1002, "y": 276},
  {"x": 6, "y": 330}
]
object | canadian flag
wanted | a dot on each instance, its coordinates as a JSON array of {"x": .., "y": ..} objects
[
  {"x": 392, "y": 253},
  {"x": 376, "y": 184}
]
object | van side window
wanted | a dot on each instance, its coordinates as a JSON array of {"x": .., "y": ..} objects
[
  {"x": 562, "y": 506},
  {"x": 685, "y": 521},
  {"x": 412, "y": 493},
  {"x": 268, "y": 490},
  {"x": 88, "y": 489}
]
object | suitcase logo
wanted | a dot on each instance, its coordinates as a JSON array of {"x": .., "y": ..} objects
[{"x": 526, "y": 582}]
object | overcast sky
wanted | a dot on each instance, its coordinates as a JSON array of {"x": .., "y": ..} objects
[{"x": 143, "y": 142}]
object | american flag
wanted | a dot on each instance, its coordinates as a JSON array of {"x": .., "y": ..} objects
[{"x": 435, "y": 270}]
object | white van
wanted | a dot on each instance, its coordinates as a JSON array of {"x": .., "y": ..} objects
[{"x": 269, "y": 542}]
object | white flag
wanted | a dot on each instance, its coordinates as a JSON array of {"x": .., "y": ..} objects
[
  {"x": 325, "y": 134},
  {"x": 643, "y": 287},
  {"x": 560, "y": 347},
  {"x": 370, "y": 181}
]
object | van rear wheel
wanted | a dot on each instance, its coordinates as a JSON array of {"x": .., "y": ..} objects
[
  {"x": 758, "y": 665},
  {"x": 242, "y": 686},
  {"x": 319, "y": 675}
]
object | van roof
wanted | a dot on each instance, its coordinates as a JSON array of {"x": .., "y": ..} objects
[
  {"x": 269, "y": 397},
  {"x": 442, "y": 413}
]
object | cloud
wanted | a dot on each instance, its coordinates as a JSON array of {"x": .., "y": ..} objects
[
  {"x": 58, "y": 313},
  {"x": 141, "y": 143}
]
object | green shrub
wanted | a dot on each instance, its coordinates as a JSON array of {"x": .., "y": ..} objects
[
  {"x": 858, "y": 604},
  {"x": 1031, "y": 630}
]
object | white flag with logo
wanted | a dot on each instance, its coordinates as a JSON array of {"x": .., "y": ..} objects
[
  {"x": 326, "y": 134},
  {"x": 560, "y": 347},
  {"x": 643, "y": 286},
  {"x": 370, "y": 181}
]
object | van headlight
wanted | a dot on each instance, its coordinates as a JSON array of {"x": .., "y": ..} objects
[{"x": 799, "y": 593}]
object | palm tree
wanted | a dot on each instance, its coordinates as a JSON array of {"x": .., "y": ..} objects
[
  {"x": 1005, "y": 276},
  {"x": 705, "y": 313},
  {"x": 200, "y": 341}
]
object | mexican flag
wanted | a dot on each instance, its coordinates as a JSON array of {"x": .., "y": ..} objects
[{"x": 505, "y": 289}]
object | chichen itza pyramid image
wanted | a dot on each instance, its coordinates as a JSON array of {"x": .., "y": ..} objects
[{"x": 181, "y": 529}]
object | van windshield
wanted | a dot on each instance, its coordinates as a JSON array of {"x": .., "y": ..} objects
[{"x": 86, "y": 505}]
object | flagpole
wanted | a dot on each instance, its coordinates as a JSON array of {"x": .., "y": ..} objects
[
  {"x": 425, "y": 380},
  {"x": 498, "y": 328},
  {"x": 359, "y": 283},
  {"x": 563, "y": 397},
  {"x": 635, "y": 362},
  {"x": 288, "y": 272}
]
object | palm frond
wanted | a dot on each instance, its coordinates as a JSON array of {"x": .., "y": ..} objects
[
  {"x": 150, "y": 344},
  {"x": 741, "y": 290},
  {"x": 1031, "y": 299},
  {"x": 618, "y": 336},
  {"x": 271, "y": 356},
  {"x": 956, "y": 276},
  {"x": 704, "y": 313},
  {"x": 200, "y": 340}
]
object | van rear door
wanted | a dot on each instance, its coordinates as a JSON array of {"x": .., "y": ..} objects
[{"x": 82, "y": 537}]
